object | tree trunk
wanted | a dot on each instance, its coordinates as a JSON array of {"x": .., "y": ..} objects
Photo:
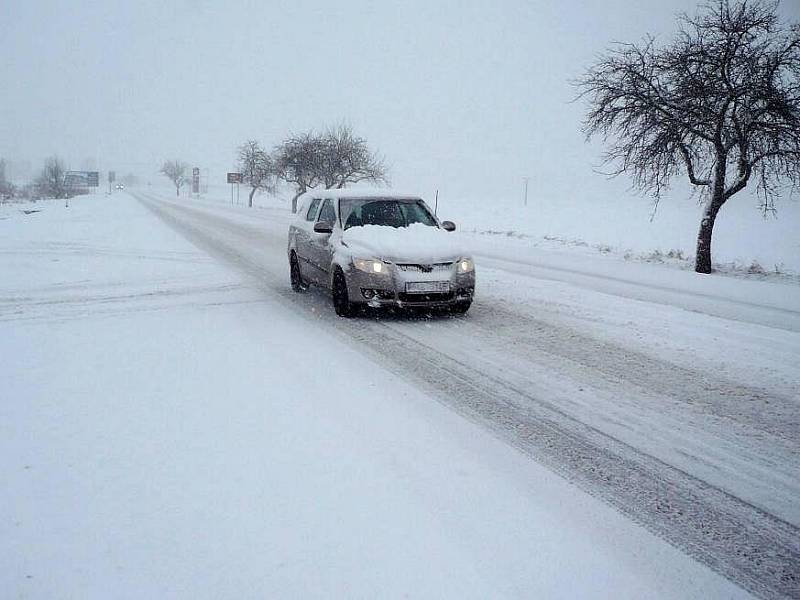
[
  {"x": 250, "y": 199},
  {"x": 294, "y": 202},
  {"x": 702, "y": 261},
  {"x": 177, "y": 190}
]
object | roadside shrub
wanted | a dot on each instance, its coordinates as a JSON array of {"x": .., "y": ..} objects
[
  {"x": 677, "y": 254},
  {"x": 755, "y": 268}
]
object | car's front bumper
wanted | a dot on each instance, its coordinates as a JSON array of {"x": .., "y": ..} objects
[{"x": 389, "y": 288}]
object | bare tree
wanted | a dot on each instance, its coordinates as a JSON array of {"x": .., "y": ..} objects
[
  {"x": 175, "y": 171},
  {"x": 51, "y": 180},
  {"x": 333, "y": 159},
  {"x": 348, "y": 159},
  {"x": 721, "y": 104},
  {"x": 257, "y": 168},
  {"x": 298, "y": 161}
]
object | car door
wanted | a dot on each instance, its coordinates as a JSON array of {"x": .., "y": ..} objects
[
  {"x": 303, "y": 235},
  {"x": 319, "y": 254}
]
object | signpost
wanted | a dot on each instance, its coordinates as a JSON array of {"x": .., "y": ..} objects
[
  {"x": 112, "y": 177},
  {"x": 525, "y": 190},
  {"x": 235, "y": 179},
  {"x": 196, "y": 180}
]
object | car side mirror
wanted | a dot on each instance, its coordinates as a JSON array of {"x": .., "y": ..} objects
[
  {"x": 448, "y": 226},
  {"x": 323, "y": 227}
]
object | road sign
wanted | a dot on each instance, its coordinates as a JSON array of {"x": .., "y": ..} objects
[
  {"x": 235, "y": 178},
  {"x": 196, "y": 180},
  {"x": 82, "y": 178},
  {"x": 112, "y": 176}
]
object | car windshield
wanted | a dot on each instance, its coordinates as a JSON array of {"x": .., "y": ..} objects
[{"x": 389, "y": 212}]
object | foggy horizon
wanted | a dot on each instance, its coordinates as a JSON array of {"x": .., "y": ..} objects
[{"x": 460, "y": 97}]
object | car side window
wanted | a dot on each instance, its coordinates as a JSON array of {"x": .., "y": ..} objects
[
  {"x": 312, "y": 210},
  {"x": 327, "y": 214}
]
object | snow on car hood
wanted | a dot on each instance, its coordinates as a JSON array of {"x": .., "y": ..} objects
[{"x": 415, "y": 243}]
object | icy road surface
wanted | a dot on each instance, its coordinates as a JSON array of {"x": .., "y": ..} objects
[{"x": 176, "y": 423}]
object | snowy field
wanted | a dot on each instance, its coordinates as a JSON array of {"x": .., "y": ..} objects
[
  {"x": 172, "y": 427},
  {"x": 621, "y": 225}
]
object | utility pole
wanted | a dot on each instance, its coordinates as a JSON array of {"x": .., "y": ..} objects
[{"x": 525, "y": 184}]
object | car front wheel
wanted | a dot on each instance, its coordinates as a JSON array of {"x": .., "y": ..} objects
[
  {"x": 459, "y": 308},
  {"x": 341, "y": 300}
]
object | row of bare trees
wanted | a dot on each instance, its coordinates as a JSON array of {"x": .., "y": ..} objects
[{"x": 334, "y": 158}]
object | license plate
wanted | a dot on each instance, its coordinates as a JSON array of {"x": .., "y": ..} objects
[{"x": 426, "y": 287}]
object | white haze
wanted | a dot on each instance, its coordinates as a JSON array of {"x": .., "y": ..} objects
[{"x": 465, "y": 97}]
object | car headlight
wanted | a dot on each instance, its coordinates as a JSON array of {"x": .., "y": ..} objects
[
  {"x": 465, "y": 265},
  {"x": 369, "y": 265}
]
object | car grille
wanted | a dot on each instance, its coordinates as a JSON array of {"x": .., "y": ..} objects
[{"x": 434, "y": 268}]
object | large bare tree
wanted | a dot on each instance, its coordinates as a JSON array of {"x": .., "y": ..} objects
[
  {"x": 333, "y": 159},
  {"x": 257, "y": 168},
  {"x": 720, "y": 104},
  {"x": 175, "y": 171}
]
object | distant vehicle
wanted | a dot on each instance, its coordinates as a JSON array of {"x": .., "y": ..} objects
[
  {"x": 120, "y": 186},
  {"x": 378, "y": 249}
]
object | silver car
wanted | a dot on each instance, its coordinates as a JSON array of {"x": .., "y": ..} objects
[{"x": 377, "y": 249}]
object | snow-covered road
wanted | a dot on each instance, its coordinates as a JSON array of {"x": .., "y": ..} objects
[
  {"x": 624, "y": 380},
  {"x": 675, "y": 405}
]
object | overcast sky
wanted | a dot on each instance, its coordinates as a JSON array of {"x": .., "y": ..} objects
[{"x": 467, "y": 97}]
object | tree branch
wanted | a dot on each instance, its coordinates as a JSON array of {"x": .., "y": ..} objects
[{"x": 687, "y": 159}]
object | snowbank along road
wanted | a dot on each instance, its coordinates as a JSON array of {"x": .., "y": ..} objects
[{"x": 675, "y": 403}]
